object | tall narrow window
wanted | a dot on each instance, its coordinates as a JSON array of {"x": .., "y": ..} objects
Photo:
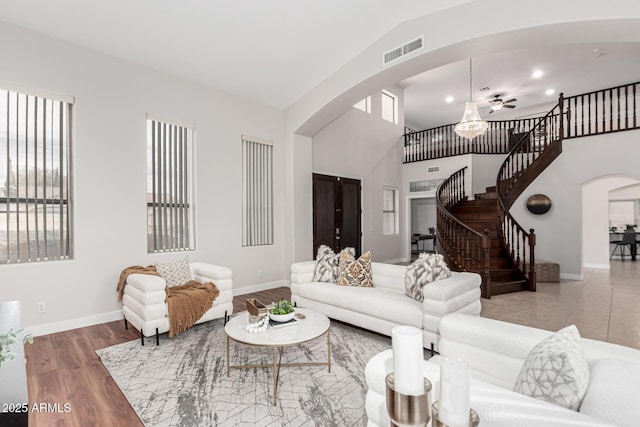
[
  {"x": 169, "y": 187},
  {"x": 390, "y": 211},
  {"x": 257, "y": 191},
  {"x": 389, "y": 107},
  {"x": 35, "y": 178}
]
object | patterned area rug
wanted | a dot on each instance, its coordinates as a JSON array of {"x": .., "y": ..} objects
[{"x": 183, "y": 381}]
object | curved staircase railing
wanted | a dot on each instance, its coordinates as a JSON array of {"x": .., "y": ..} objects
[
  {"x": 534, "y": 151},
  {"x": 537, "y": 143},
  {"x": 465, "y": 248}
]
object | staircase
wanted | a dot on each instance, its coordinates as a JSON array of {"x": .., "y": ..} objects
[
  {"x": 481, "y": 235},
  {"x": 480, "y": 214}
]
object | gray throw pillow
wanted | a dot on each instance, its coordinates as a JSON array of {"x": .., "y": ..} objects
[
  {"x": 327, "y": 264},
  {"x": 556, "y": 370},
  {"x": 426, "y": 269}
]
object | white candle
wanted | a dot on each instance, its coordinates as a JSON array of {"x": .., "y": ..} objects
[
  {"x": 406, "y": 342},
  {"x": 454, "y": 392}
]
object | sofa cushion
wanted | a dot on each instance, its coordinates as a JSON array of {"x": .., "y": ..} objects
[
  {"x": 327, "y": 264},
  {"x": 613, "y": 392},
  {"x": 426, "y": 269},
  {"x": 556, "y": 370},
  {"x": 386, "y": 304},
  {"x": 355, "y": 272},
  {"x": 175, "y": 273}
]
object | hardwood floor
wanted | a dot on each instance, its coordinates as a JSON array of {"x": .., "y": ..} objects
[{"x": 63, "y": 368}]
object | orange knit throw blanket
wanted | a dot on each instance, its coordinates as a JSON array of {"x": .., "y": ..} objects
[{"x": 186, "y": 303}]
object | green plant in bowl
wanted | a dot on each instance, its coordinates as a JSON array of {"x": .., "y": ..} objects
[{"x": 282, "y": 311}]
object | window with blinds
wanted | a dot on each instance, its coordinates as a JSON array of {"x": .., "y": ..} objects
[
  {"x": 169, "y": 187},
  {"x": 35, "y": 178},
  {"x": 257, "y": 191}
]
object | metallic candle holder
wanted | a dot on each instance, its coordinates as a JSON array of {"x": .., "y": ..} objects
[
  {"x": 474, "y": 420},
  {"x": 405, "y": 410}
]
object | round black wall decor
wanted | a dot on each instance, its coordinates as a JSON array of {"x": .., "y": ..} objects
[{"x": 538, "y": 204}]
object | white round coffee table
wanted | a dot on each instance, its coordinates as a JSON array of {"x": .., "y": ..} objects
[{"x": 312, "y": 326}]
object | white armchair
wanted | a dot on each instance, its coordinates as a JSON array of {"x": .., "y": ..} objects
[{"x": 144, "y": 299}]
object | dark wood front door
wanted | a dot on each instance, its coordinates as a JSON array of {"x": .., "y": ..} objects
[{"x": 336, "y": 212}]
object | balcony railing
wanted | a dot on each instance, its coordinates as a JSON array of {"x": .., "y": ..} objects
[{"x": 594, "y": 113}]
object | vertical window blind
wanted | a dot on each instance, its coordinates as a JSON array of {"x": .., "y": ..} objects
[
  {"x": 35, "y": 178},
  {"x": 257, "y": 191},
  {"x": 169, "y": 187}
]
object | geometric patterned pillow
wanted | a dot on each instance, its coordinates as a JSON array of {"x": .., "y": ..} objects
[
  {"x": 175, "y": 273},
  {"x": 327, "y": 264},
  {"x": 556, "y": 370},
  {"x": 424, "y": 270},
  {"x": 355, "y": 272}
]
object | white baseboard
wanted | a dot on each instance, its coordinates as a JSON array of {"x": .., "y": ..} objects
[
  {"x": 260, "y": 287},
  {"x": 571, "y": 276},
  {"x": 80, "y": 322},
  {"x": 598, "y": 266}
]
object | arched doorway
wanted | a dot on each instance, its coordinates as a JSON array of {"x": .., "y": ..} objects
[{"x": 595, "y": 218}]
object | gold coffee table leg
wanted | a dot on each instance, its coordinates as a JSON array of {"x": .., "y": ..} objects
[
  {"x": 329, "y": 348},
  {"x": 275, "y": 376},
  {"x": 227, "y": 355}
]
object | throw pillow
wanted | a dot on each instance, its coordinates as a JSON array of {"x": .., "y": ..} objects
[
  {"x": 355, "y": 272},
  {"x": 175, "y": 273},
  {"x": 612, "y": 395},
  {"x": 426, "y": 269},
  {"x": 327, "y": 264},
  {"x": 556, "y": 370}
]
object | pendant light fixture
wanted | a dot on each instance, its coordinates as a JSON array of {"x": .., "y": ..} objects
[{"x": 471, "y": 124}]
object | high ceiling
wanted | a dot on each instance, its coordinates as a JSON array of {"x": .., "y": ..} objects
[
  {"x": 269, "y": 51},
  {"x": 571, "y": 69},
  {"x": 275, "y": 51}
]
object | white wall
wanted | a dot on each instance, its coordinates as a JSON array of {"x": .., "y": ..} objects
[
  {"x": 559, "y": 231},
  {"x": 529, "y": 24},
  {"x": 112, "y": 98},
  {"x": 363, "y": 146},
  {"x": 631, "y": 192},
  {"x": 595, "y": 219},
  {"x": 485, "y": 167}
]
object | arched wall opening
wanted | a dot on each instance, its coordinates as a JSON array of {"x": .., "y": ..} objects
[
  {"x": 595, "y": 218},
  {"x": 542, "y": 24}
]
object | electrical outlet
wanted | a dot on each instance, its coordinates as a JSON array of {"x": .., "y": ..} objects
[
  {"x": 41, "y": 307},
  {"x": 260, "y": 273}
]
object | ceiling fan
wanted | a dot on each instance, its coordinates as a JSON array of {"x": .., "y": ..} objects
[{"x": 497, "y": 103}]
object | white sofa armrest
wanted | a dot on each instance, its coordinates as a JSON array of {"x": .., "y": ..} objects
[
  {"x": 211, "y": 271},
  {"x": 146, "y": 282},
  {"x": 302, "y": 272},
  {"x": 451, "y": 287}
]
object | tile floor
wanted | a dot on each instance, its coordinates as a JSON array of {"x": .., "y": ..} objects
[{"x": 605, "y": 305}]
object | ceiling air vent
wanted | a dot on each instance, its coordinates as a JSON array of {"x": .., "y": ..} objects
[
  {"x": 433, "y": 169},
  {"x": 403, "y": 50}
]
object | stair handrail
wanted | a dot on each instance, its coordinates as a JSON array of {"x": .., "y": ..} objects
[
  {"x": 464, "y": 247},
  {"x": 520, "y": 244}
]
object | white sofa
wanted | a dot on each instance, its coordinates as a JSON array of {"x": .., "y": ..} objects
[
  {"x": 496, "y": 351},
  {"x": 386, "y": 305},
  {"x": 144, "y": 299}
]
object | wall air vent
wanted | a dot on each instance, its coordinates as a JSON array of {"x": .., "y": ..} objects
[
  {"x": 405, "y": 49},
  {"x": 433, "y": 169}
]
